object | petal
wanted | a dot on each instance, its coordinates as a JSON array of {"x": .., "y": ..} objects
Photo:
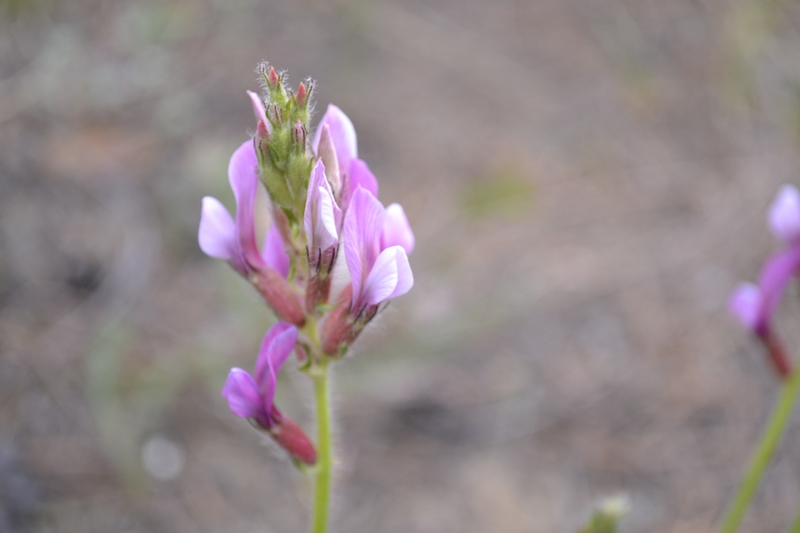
[
  {"x": 784, "y": 214},
  {"x": 322, "y": 215},
  {"x": 243, "y": 176},
  {"x": 746, "y": 305},
  {"x": 390, "y": 277},
  {"x": 343, "y": 135},
  {"x": 243, "y": 395},
  {"x": 359, "y": 175},
  {"x": 396, "y": 229},
  {"x": 382, "y": 279},
  {"x": 405, "y": 278},
  {"x": 325, "y": 233},
  {"x": 363, "y": 224},
  {"x": 217, "y": 234},
  {"x": 278, "y": 343},
  {"x": 327, "y": 154},
  {"x": 274, "y": 252},
  {"x": 258, "y": 107}
]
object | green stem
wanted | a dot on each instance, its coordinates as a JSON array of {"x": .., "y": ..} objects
[
  {"x": 322, "y": 490},
  {"x": 763, "y": 454}
]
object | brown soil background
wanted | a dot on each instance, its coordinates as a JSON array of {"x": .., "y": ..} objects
[{"x": 587, "y": 181}]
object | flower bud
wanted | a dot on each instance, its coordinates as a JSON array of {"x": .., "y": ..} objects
[
  {"x": 272, "y": 77},
  {"x": 302, "y": 94},
  {"x": 299, "y": 135},
  {"x": 279, "y": 295},
  {"x": 293, "y": 439},
  {"x": 262, "y": 132}
]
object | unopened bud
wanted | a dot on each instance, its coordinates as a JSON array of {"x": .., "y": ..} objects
[
  {"x": 272, "y": 77},
  {"x": 302, "y": 94},
  {"x": 277, "y": 114},
  {"x": 262, "y": 132},
  {"x": 299, "y": 135},
  {"x": 293, "y": 439},
  {"x": 279, "y": 295}
]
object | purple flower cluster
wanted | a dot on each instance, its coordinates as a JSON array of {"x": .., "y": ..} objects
[
  {"x": 323, "y": 199},
  {"x": 755, "y": 305}
]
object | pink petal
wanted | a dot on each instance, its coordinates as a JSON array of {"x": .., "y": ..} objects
[
  {"x": 359, "y": 175},
  {"x": 405, "y": 278},
  {"x": 217, "y": 234},
  {"x": 382, "y": 279},
  {"x": 243, "y": 395},
  {"x": 775, "y": 275},
  {"x": 746, "y": 306},
  {"x": 396, "y": 229},
  {"x": 258, "y": 107},
  {"x": 274, "y": 252},
  {"x": 343, "y": 135},
  {"x": 363, "y": 224},
  {"x": 784, "y": 214},
  {"x": 325, "y": 232},
  {"x": 278, "y": 343},
  {"x": 243, "y": 177},
  {"x": 327, "y": 154},
  {"x": 322, "y": 215}
]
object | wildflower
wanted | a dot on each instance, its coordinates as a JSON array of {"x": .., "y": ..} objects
[
  {"x": 235, "y": 241},
  {"x": 253, "y": 397},
  {"x": 376, "y": 244}
]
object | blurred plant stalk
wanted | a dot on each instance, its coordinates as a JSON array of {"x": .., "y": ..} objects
[
  {"x": 790, "y": 389},
  {"x": 755, "y": 307}
]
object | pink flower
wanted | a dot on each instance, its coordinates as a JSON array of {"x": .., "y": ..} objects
[
  {"x": 336, "y": 145},
  {"x": 375, "y": 248},
  {"x": 253, "y": 397},
  {"x": 235, "y": 241},
  {"x": 754, "y": 306}
]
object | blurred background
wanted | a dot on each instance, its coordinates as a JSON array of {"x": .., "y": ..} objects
[{"x": 587, "y": 181}]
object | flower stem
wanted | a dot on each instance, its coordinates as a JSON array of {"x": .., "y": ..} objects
[
  {"x": 322, "y": 490},
  {"x": 763, "y": 454}
]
